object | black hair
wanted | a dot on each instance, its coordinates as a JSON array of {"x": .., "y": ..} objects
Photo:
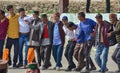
[
  {"x": 70, "y": 24},
  {"x": 82, "y": 14},
  {"x": 2, "y": 12},
  {"x": 21, "y": 9},
  {"x": 9, "y": 7}
]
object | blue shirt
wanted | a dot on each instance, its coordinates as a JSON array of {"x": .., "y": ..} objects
[
  {"x": 86, "y": 28},
  {"x": 56, "y": 35}
]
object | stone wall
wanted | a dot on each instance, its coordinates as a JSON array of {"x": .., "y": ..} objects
[{"x": 50, "y": 7}]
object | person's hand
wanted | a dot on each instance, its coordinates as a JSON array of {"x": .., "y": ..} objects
[
  {"x": 27, "y": 21},
  {"x": 108, "y": 34},
  {"x": 74, "y": 39}
]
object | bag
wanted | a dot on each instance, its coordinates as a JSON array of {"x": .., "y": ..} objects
[
  {"x": 31, "y": 55},
  {"x": 5, "y": 54}
]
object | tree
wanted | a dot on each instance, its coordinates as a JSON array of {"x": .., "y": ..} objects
[
  {"x": 88, "y": 2},
  {"x": 63, "y": 5},
  {"x": 107, "y": 6}
]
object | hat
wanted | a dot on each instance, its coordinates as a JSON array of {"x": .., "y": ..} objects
[
  {"x": 33, "y": 66},
  {"x": 64, "y": 18},
  {"x": 36, "y": 12},
  {"x": 21, "y": 9},
  {"x": 98, "y": 16},
  {"x": 43, "y": 15}
]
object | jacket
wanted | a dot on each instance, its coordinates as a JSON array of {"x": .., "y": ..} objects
[
  {"x": 104, "y": 31},
  {"x": 50, "y": 31},
  {"x": 61, "y": 31}
]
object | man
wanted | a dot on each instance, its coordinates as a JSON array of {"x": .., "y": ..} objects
[
  {"x": 58, "y": 41},
  {"x": 24, "y": 35},
  {"x": 3, "y": 30},
  {"x": 33, "y": 68},
  {"x": 87, "y": 26},
  {"x": 101, "y": 43},
  {"x": 116, "y": 32},
  {"x": 34, "y": 34},
  {"x": 46, "y": 39},
  {"x": 70, "y": 30},
  {"x": 13, "y": 35}
]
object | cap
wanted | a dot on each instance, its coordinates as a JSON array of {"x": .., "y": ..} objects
[
  {"x": 21, "y": 9},
  {"x": 64, "y": 18},
  {"x": 36, "y": 12},
  {"x": 33, "y": 66},
  {"x": 98, "y": 16},
  {"x": 43, "y": 15}
]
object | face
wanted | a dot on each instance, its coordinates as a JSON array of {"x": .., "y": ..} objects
[
  {"x": 44, "y": 19},
  {"x": 65, "y": 22},
  {"x": 35, "y": 16},
  {"x": 81, "y": 18},
  {"x": 33, "y": 71},
  {"x": 11, "y": 10},
  {"x": 0, "y": 16},
  {"x": 22, "y": 13},
  {"x": 56, "y": 18},
  {"x": 98, "y": 20},
  {"x": 112, "y": 20},
  {"x": 71, "y": 28}
]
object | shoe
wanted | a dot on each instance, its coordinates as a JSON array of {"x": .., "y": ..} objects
[
  {"x": 20, "y": 65},
  {"x": 54, "y": 68},
  {"x": 92, "y": 68},
  {"x": 14, "y": 66},
  {"x": 79, "y": 69},
  {"x": 118, "y": 71},
  {"x": 68, "y": 69},
  {"x": 105, "y": 70},
  {"x": 86, "y": 71},
  {"x": 44, "y": 68},
  {"x": 25, "y": 67},
  {"x": 9, "y": 63},
  {"x": 58, "y": 68}
]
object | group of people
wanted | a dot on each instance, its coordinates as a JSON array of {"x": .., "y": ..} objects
[{"x": 47, "y": 36}]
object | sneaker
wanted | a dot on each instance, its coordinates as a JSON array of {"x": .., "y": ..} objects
[
  {"x": 14, "y": 66},
  {"x": 44, "y": 68},
  {"x": 105, "y": 70},
  {"x": 54, "y": 68},
  {"x": 58, "y": 68},
  {"x": 19, "y": 64},
  {"x": 118, "y": 71},
  {"x": 92, "y": 68}
]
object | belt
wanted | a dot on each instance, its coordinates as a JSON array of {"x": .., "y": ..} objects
[{"x": 24, "y": 33}]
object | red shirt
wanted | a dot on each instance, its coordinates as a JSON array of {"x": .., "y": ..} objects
[
  {"x": 45, "y": 32},
  {"x": 3, "y": 29}
]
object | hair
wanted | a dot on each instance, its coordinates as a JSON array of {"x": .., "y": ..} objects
[
  {"x": 2, "y": 12},
  {"x": 9, "y": 7},
  {"x": 21, "y": 9},
  {"x": 113, "y": 16},
  {"x": 82, "y": 14},
  {"x": 57, "y": 14},
  {"x": 70, "y": 24}
]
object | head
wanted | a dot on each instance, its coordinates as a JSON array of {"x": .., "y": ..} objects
[
  {"x": 113, "y": 18},
  {"x": 2, "y": 14},
  {"x": 21, "y": 12},
  {"x": 81, "y": 16},
  {"x": 64, "y": 20},
  {"x": 35, "y": 14},
  {"x": 10, "y": 9},
  {"x": 33, "y": 68},
  {"x": 44, "y": 18},
  {"x": 71, "y": 26},
  {"x": 56, "y": 16},
  {"x": 99, "y": 18}
]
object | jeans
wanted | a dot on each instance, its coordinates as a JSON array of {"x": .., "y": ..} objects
[
  {"x": 9, "y": 44},
  {"x": 1, "y": 48},
  {"x": 102, "y": 50},
  {"x": 116, "y": 56},
  {"x": 57, "y": 51},
  {"x": 69, "y": 53},
  {"x": 23, "y": 40},
  {"x": 45, "y": 54},
  {"x": 87, "y": 50}
]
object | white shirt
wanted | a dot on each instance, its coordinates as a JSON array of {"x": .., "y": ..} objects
[
  {"x": 24, "y": 27},
  {"x": 71, "y": 34}
]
